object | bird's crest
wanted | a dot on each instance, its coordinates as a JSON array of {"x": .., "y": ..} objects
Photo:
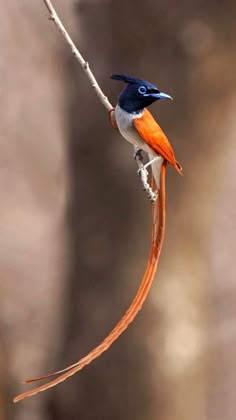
[{"x": 126, "y": 79}]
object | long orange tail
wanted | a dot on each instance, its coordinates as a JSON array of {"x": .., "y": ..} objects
[{"x": 158, "y": 230}]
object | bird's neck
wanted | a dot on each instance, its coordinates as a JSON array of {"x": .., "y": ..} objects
[
  {"x": 129, "y": 110},
  {"x": 122, "y": 114},
  {"x": 138, "y": 112},
  {"x": 132, "y": 107}
]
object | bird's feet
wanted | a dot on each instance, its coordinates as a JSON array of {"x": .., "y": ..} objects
[
  {"x": 138, "y": 154},
  {"x": 143, "y": 173}
]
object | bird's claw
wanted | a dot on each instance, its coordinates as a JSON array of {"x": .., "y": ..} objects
[
  {"x": 142, "y": 172},
  {"x": 138, "y": 154}
]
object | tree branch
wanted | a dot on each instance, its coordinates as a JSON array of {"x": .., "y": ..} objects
[{"x": 84, "y": 64}]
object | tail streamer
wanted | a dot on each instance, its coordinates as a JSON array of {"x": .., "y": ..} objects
[{"x": 158, "y": 231}]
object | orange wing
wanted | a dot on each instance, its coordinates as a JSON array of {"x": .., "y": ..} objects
[{"x": 152, "y": 134}]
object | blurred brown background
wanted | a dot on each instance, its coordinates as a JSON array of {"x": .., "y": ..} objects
[{"x": 75, "y": 224}]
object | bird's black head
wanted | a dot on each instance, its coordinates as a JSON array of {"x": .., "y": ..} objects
[{"x": 138, "y": 94}]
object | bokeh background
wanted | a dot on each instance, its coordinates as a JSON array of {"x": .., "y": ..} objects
[{"x": 75, "y": 224}]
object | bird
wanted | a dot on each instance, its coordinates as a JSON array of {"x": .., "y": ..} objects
[{"x": 136, "y": 124}]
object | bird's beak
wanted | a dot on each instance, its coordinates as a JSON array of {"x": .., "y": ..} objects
[{"x": 162, "y": 95}]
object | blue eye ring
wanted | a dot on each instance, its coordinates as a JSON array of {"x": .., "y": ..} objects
[{"x": 142, "y": 90}]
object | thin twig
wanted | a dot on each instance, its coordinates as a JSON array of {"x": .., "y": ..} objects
[
  {"x": 84, "y": 64},
  {"x": 103, "y": 98}
]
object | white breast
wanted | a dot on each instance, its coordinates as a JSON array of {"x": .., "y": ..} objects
[{"x": 124, "y": 122}]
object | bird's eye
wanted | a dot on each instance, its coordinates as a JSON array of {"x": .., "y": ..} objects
[{"x": 142, "y": 90}]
